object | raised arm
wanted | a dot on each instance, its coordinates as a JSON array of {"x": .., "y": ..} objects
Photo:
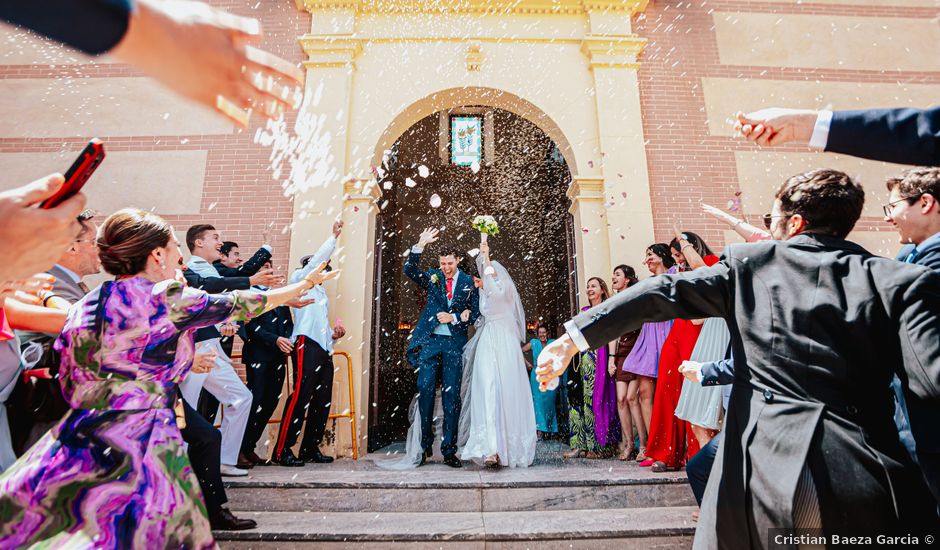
[
  {"x": 256, "y": 262},
  {"x": 323, "y": 254},
  {"x": 411, "y": 268},
  {"x": 216, "y": 285},
  {"x": 747, "y": 231},
  {"x": 698, "y": 294}
]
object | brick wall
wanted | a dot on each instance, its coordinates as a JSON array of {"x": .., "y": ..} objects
[{"x": 687, "y": 165}]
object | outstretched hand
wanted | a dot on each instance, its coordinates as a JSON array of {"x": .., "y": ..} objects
[
  {"x": 203, "y": 53},
  {"x": 691, "y": 370},
  {"x": 318, "y": 276},
  {"x": 465, "y": 316},
  {"x": 776, "y": 126},
  {"x": 553, "y": 361},
  {"x": 428, "y": 236}
]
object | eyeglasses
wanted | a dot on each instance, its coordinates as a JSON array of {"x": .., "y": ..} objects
[
  {"x": 769, "y": 219},
  {"x": 888, "y": 208}
]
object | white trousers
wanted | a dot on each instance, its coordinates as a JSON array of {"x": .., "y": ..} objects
[{"x": 222, "y": 382}]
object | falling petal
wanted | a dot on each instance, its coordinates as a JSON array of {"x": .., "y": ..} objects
[
  {"x": 435, "y": 201},
  {"x": 423, "y": 171},
  {"x": 410, "y": 182}
]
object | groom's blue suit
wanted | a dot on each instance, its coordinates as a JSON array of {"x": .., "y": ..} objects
[{"x": 437, "y": 352}]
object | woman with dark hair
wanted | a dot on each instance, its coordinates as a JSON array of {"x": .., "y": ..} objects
[
  {"x": 671, "y": 441},
  {"x": 594, "y": 429},
  {"x": 642, "y": 362},
  {"x": 624, "y": 277},
  {"x": 113, "y": 471}
]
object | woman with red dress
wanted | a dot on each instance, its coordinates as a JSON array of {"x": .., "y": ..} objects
[{"x": 671, "y": 441}]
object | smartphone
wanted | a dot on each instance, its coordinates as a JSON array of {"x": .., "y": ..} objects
[{"x": 82, "y": 169}]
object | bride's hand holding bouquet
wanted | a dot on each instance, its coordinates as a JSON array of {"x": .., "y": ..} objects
[{"x": 486, "y": 225}]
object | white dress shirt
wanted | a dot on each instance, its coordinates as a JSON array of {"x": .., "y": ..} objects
[{"x": 313, "y": 321}]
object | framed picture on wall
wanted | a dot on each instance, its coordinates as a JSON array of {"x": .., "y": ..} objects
[{"x": 466, "y": 139}]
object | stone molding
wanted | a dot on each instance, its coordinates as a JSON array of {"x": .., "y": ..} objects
[
  {"x": 585, "y": 189},
  {"x": 359, "y": 190},
  {"x": 503, "y": 7},
  {"x": 612, "y": 52},
  {"x": 325, "y": 51}
]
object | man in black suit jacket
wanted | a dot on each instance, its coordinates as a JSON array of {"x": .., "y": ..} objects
[
  {"x": 819, "y": 328},
  {"x": 903, "y": 136},
  {"x": 231, "y": 264},
  {"x": 267, "y": 346}
]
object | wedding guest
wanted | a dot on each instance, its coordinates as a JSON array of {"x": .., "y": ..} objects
[
  {"x": 643, "y": 360},
  {"x": 113, "y": 469},
  {"x": 913, "y": 208},
  {"x": 623, "y": 277},
  {"x": 546, "y": 421},
  {"x": 593, "y": 419},
  {"x": 19, "y": 316},
  {"x": 267, "y": 347},
  {"x": 699, "y": 405},
  {"x": 749, "y": 232},
  {"x": 312, "y": 363},
  {"x": 222, "y": 382},
  {"x": 809, "y": 441},
  {"x": 670, "y": 439},
  {"x": 38, "y": 406},
  {"x": 231, "y": 264}
]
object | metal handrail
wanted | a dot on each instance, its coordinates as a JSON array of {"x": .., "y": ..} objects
[
  {"x": 351, "y": 415},
  {"x": 351, "y": 412}
]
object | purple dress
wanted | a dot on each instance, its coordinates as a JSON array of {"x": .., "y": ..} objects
[
  {"x": 644, "y": 357},
  {"x": 113, "y": 472}
]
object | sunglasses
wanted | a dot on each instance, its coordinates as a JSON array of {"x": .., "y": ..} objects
[{"x": 769, "y": 219}]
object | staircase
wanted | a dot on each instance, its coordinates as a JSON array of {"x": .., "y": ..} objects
[{"x": 596, "y": 504}]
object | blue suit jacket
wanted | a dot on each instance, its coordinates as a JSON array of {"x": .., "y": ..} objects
[
  {"x": 465, "y": 297},
  {"x": 920, "y": 413},
  {"x": 904, "y": 136}
]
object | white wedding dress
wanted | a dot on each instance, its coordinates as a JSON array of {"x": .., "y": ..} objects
[{"x": 497, "y": 417}]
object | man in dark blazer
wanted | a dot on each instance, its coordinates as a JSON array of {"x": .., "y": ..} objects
[
  {"x": 819, "y": 328},
  {"x": 436, "y": 345},
  {"x": 902, "y": 136},
  {"x": 231, "y": 264},
  {"x": 267, "y": 346}
]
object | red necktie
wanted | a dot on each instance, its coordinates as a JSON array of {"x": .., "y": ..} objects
[{"x": 450, "y": 289}]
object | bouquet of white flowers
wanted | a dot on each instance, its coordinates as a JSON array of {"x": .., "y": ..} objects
[{"x": 486, "y": 225}]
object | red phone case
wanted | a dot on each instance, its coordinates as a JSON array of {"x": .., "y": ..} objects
[{"x": 82, "y": 169}]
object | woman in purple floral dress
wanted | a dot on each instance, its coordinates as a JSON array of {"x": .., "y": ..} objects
[{"x": 113, "y": 472}]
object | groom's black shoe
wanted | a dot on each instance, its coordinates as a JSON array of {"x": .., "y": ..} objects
[
  {"x": 424, "y": 457},
  {"x": 453, "y": 461}
]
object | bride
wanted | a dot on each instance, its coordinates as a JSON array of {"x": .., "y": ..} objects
[{"x": 497, "y": 422}]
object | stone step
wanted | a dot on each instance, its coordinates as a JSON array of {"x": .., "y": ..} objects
[
  {"x": 346, "y": 486},
  {"x": 618, "y": 528}
]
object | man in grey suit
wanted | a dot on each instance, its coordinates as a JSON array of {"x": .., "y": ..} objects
[
  {"x": 78, "y": 261},
  {"x": 819, "y": 328}
]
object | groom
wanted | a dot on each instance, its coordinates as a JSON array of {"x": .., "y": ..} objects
[{"x": 436, "y": 347}]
